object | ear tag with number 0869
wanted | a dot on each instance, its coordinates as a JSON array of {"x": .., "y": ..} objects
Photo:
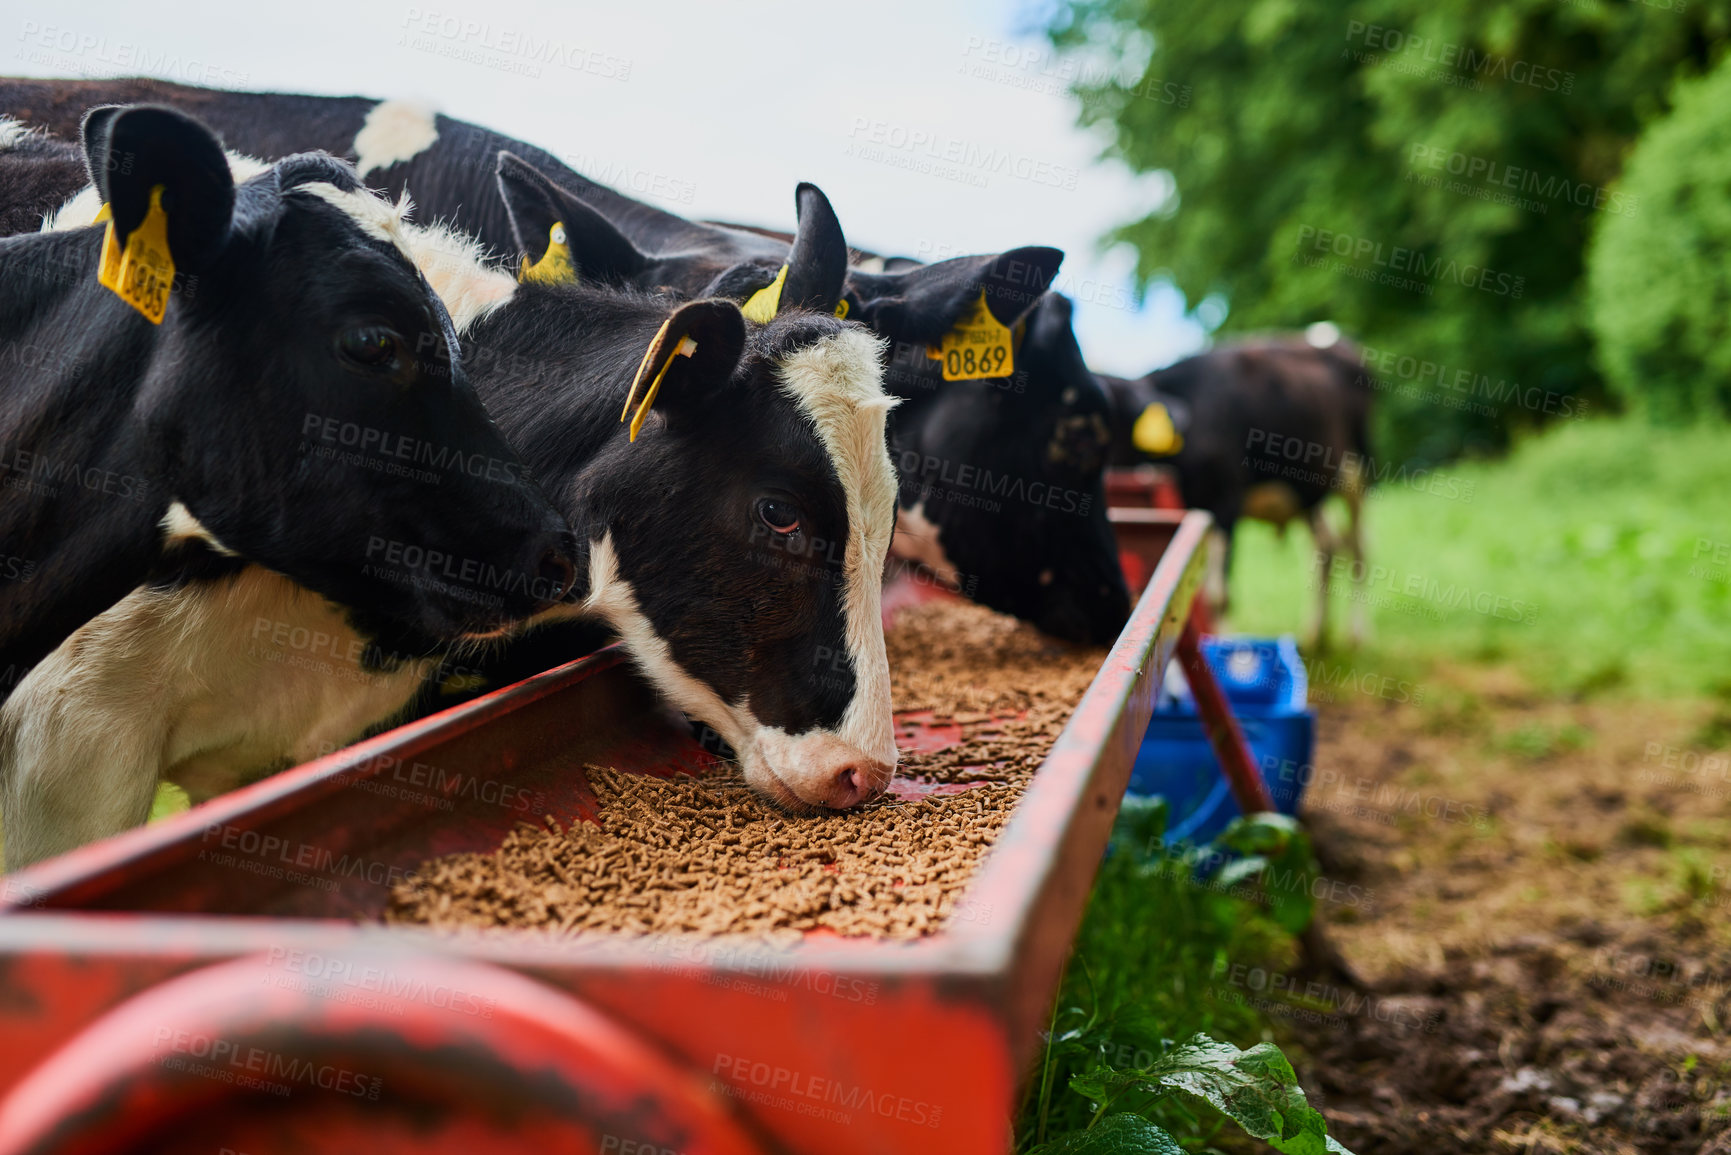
[{"x": 979, "y": 346}]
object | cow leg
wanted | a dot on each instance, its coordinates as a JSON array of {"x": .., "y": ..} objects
[
  {"x": 1326, "y": 547},
  {"x": 202, "y": 684},
  {"x": 79, "y": 754},
  {"x": 1217, "y": 573},
  {"x": 1360, "y": 568}
]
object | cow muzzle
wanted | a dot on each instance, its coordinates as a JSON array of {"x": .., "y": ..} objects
[{"x": 817, "y": 770}]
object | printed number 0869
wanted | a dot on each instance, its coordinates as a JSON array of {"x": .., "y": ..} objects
[{"x": 986, "y": 362}]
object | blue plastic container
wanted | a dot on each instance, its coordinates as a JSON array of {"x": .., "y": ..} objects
[{"x": 1264, "y": 680}]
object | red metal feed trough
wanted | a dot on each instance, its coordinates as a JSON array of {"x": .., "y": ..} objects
[{"x": 207, "y": 984}]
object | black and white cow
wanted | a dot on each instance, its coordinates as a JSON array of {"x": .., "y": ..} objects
[
  {"x": 1001, "y": 478},
  {"x": 734, "y": 545},
  {"x": 1266, "y": 428},
  {"x": 737, "y": 545},
  {"x": 159, "y": 460}
]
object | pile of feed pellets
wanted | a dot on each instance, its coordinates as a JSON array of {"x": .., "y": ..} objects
[{"x": 707, "y": 855}]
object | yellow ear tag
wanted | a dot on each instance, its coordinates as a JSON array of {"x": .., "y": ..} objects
[
  {"x": 107, "y": 265},
  {"x": 142, "y": 272},
  {"x": 555, "y": 264},
  {"x": 686, "y": 348},
  {"x": 763, "y": 303},
  {"x": 1154, "y": 432},
  {"x": 979, "y": 346},
  {"x": 841, "y": 309}
]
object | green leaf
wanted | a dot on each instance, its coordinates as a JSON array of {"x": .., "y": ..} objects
[
  {"x": 1256, "y": 1089},
  {"x": 1264, "y": 833},
  {"x": 170, "y": 799},
  {"x": 1114, "y": 1135},
  {"x": 1278, "y": 851},
  {"x": 1140, "y": 824},
  {"x": 1241, "y": 869}
]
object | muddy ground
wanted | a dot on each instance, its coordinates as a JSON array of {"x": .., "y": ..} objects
[{"x": 1537, "y": 894}]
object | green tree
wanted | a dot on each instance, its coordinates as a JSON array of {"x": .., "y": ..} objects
[
  {"x": 1424, "y": 173},
  {"x": 1659, "y": 280}
]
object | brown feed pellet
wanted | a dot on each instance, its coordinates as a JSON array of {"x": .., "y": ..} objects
[{"x": 706, "y": 854}]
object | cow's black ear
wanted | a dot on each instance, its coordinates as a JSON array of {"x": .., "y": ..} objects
[
  {"x": 535, "y": 203},
  {"x": 817, "y": 263},
  {"x": 740, "y": 282},
  {"x": 133, "y": 149},
  {"x": 689, "y": 361},
  {"x": 924, "y": 303}
]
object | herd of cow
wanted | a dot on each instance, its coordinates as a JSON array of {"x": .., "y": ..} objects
[{"x": 280, "y": 465}]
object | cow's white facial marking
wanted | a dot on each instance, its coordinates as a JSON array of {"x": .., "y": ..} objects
[
  {"x": 455, "y": 265},
  {"x": 373, "y": 214},
  {"x": 917, "y": 539},
  {"x": 838, "y": 383},
  {"x": 394, "y": 131},
  {"x": 613, "y": 599},
  {"x": 871, "y": 265}
]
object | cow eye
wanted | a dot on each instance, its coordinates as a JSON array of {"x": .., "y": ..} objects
[
  {"x": 781, "y": 516},
  {"x": 371, "y": 346}
]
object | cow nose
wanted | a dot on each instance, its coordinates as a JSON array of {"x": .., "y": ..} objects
[
  {"x": 556, "y": 574},
  {"x": 857, "y": 782}
]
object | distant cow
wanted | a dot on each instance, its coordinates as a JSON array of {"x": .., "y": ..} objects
[
  {"x": 1001, "y": 477},
  {"x": 1266, "y": 428},
  {"x": 732, "y": 540}
]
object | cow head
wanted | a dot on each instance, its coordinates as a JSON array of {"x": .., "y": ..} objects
[
  {"x": 743, "y": 535},
  {"x": 755, "y": 561},
  {"x": 694, "y": 259},
  {"x": 737, "y": 520},
  {"x": 1002, "y": 478},
  {"x": 1149, "y": 424},
  {"x": 299, "y": 429}
]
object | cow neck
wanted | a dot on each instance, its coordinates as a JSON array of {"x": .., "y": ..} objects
[
  {"x": 67, "y": 420},
  {"x": 559, "y": 404},
  {"x": 87, "y": 374}
]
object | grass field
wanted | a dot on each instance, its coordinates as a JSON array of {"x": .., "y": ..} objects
[
  {"x": 1594, "y": 561},
  {"x": 1595, "y": 556}
]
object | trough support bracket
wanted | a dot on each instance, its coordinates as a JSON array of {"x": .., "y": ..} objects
[{"x": 1233, "y": 752}]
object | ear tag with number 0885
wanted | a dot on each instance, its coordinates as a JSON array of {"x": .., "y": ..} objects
[
  {"x": 978, "y": 346},
  {"x": 141, "y": 272}
]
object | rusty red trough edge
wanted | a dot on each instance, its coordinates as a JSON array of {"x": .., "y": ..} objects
[{"x": 975, "y": 982}]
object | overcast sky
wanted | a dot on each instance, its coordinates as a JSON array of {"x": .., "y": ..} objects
[{"x": 937, "y": 127}]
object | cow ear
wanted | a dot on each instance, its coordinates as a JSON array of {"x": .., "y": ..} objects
[
  {"x": 817, "y": 263},
  {"x": 595, "y": 249},
  {"x": 922, "y": 304},
  {"x": 690, "y": 359},
  {"x": 133, "y": 150},
  {"x": 741, "y": 282}
]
